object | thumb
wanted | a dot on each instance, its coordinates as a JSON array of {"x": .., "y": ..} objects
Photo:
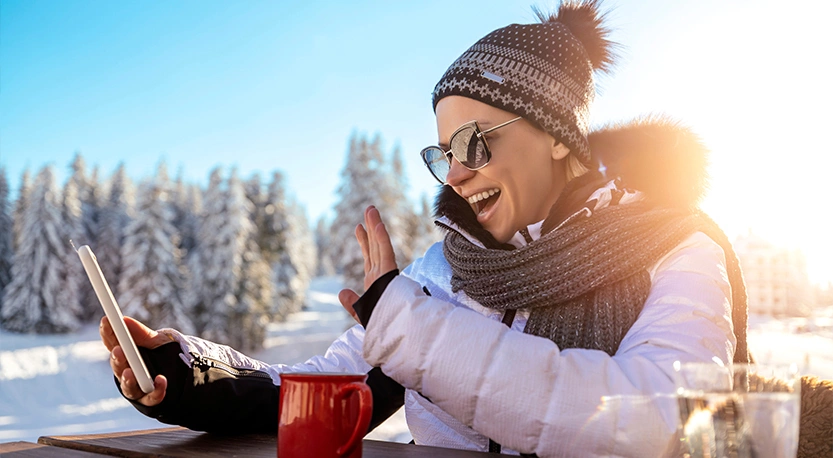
[
  {"x": 348, "y": 297},
  {"x": 143, "y": 335}
]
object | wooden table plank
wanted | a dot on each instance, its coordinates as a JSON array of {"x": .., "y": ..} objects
[
  {"x": 28, "y": 449},
  {"x": 182, "y": 442}
]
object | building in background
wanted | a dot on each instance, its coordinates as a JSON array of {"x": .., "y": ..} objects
[
  {"x": 777, "y": 283},
  {"x": 824, "y": 294}
]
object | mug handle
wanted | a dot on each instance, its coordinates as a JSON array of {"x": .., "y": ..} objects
[{"x": 365, "y": 411}]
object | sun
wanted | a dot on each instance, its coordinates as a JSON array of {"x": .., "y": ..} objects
[{"x": 747, "y": 83}]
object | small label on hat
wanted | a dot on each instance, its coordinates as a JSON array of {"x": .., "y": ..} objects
[{"x": 493, "y": 77}]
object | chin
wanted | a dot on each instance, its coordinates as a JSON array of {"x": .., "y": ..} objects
[{"x": 500, "y": 236}]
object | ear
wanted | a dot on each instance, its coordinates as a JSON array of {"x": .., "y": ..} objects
[{"x": 559, "y": 150}]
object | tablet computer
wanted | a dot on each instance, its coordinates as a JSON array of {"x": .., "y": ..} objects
[{"x": 114, "y": 315}]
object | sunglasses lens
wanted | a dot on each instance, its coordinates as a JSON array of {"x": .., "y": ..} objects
[
  {"x": 468, "y": 149},
  {"x": 436, "y": 161}
]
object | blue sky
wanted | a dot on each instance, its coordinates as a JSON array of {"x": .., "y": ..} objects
[{"x": 281, "y": 85}]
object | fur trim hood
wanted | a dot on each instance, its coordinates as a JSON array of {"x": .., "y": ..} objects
[{"x": 655, "y": 155}]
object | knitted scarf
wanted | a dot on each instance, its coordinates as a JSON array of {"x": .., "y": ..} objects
[{"x": 586, "y": 281}]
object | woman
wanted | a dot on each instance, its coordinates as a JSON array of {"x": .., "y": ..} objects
[{"x": 575, "y": 266}]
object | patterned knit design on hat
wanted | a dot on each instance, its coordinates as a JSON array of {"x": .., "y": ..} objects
[{"x": 539, "y": 71}]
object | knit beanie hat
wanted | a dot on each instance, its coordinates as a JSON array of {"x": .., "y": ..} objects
[{"x": 542, "y": 72}]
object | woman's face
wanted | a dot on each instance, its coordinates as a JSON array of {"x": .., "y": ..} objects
[{"x": 524, "y": 177}]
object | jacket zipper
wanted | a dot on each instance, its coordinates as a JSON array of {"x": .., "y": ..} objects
[{"x": 204, "y": 362}]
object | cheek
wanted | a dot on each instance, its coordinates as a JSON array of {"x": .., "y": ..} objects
[
  {"x": 533, "y": 170},
  {"x": 533, "y": 189},
  {"x": 526, "y": 173}
]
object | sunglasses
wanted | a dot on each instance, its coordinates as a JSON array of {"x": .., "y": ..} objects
[{"x": 468, "y": 145}]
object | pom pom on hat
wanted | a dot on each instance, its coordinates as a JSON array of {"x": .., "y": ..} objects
[{"x": 586, "y": 23}]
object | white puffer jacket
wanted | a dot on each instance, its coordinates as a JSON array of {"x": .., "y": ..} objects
[{"x": 485, "y": 380}]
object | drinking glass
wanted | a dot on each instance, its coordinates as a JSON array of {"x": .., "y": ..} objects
[
  {"x": 636, "y": 425},
  {"x": 742, "y": 410}
]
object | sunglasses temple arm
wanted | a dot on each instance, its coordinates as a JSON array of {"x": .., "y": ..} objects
[{"x": 499, "y": 126}]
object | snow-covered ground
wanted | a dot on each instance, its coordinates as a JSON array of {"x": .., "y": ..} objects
[
  {"x": 807, "y": 342},
  {"x": 62, "y": 384}
]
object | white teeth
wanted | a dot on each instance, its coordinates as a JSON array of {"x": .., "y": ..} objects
[{"x": 482, "y": 195}]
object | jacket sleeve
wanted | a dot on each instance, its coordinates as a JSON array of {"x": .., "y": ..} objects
[
  {"x": 217, "y": 389},
  {"x": 527, "y": 394}
]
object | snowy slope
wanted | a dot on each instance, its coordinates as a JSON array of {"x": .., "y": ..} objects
[
  {"x": 62, "y": 384},
  {"x": 807, "y": 342}
]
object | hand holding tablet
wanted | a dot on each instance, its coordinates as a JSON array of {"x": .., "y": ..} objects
[{"x": 114, "y": 315}]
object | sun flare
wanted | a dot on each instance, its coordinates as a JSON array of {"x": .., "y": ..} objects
[{"x": 751, "y": 93}]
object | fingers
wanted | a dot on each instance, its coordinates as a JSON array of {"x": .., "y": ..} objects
[
  {"x": 129, "y": 385},
  {"x": 371, "y": 220},
  {"x": 377, "y": 250},
  {"x": 381, "y": 249},
  {"x": 118, "y": 362},
  {"x": 160, "y": 387},
  {"x": 348, "y": 297},
  {"x": 143, "y": 335},
  {"x": 387, "y": 258},
  {"x": 361, "y": 236},
  {"x": 130, "y": 389},
  {"x": 107, "y": 334}
]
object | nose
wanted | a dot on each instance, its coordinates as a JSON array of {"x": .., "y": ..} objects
[{"x": 457, "y": 173}]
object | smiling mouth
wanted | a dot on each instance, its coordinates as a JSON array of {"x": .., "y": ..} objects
[{"x": 483, "y": 201}]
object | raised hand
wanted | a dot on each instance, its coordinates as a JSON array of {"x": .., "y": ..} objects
[
  {"x": 377, "y": 252},
  {"x": 144, "y": 337}
]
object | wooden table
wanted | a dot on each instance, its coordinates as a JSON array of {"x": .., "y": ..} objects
[
  {"x": 181, "y": 442},
  {"x": 27, "y": 449}
]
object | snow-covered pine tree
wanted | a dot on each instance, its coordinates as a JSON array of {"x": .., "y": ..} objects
[
  {"x": 255, "y": 291},
  {"x": 186, "y": 204},
  {"x": 302, "y": 249},
  {"x": 322, "y": 244},
  {"x": 6, "y": 230},
  {"x": 272, "y": 236},
  {"x": 284, "y": 277},
  {"x": 73, "y": 229},
  {"x": 20, "y": 206},
  {"x": 88, "y": 197},
  {"x": 76, "y": 185},
  {"x": 92, "y": 203},
  {"x": 186, "y": 200},
  {"x": 296, "y": 265},
  {"x": 39, "y": 298},
  {"x": 253, "y": 188},
  {"x": 248, "y": 319},
  {"x": 116, "y": 214},
  {"x": 176, "y": 198},
  {"x": 219, "y": 265},
  {"x": 424, "y": 232},
  {"x": 397, "y": 210},
  {"x": 273, "y": 222},
  {"x": 362, "y": 181},
  {"x": 191, "y": 225},
  {"x": 152, "y": 282},
  {"x": 199, "y": 291}
]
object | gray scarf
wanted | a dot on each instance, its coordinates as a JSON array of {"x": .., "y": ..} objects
[{"x": 586, "y": 282}]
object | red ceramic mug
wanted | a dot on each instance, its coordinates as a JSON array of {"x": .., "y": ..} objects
[{"x": 323, "y": 415}]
